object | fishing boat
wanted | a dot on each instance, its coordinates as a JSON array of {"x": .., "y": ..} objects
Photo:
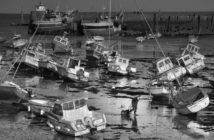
[
  {"x": 18, "y": 42},
  {"x": 40, "y": 106},
  {"x": 121, "y": 66},
  {"x": 192, "y": 39},
  {"x": 103, "y": 25},
  {"x": 11, "y": 91},
  {"x": 45, "y": 20},
  {"x": 71, "y": 116},
  {"x": 191, "y": 59},
  {"x": 32, "y": 55},
  {"x": 72, "y": 70},
  {"x": 95, "y": 47},
  {"x": 167, "y": 71},
  {"x": 190, "y": 101},
  {"x": 141, "y": 38},
  {"x": 192, "y": 65},
  {"x": 159, "y": 88},
  {"x": 61, "y": 44}
]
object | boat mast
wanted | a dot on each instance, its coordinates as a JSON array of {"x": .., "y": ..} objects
[{"x": 109, "y": 31}]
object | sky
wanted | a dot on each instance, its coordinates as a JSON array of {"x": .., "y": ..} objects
[{"x": 16, "y": 6}]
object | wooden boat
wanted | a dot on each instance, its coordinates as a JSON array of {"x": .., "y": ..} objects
[
  {"x": 72, "y": 70},
  {"x": 40, "y": 106},
  {"x": 141, "y": 38},
  {"x": 159, "y": 89},
  {"x": 167, "y": 71},
  {"x": 192, "y": 65},
  {"x": 192, "y": 39},
  {"x": 18, "y": 42},
  {"x": 191, "y": 59},
  {"x": 121, "y": 66},
  {"x": 33, "y": 55},
  {"x": 95, "y": 48},
  {"x": 11, "y": 91},
  {"x": 71, "y": 117},
  {"x": 46, "y": 21},
  {"x": 190, "y": 101},
  {"x": 61, "y": 44}
]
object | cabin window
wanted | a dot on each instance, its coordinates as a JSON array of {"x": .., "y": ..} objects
[
  {"x": 160, "y": 64},
  {"x": 82, "y": 102},
  {"x": 120, "y": 60},
  {"x": 68, "y": 106},
  {"x": 73, "y": 63},
  {"x": 124, "y": 61},
  {"x": 58, "y": 39},
  {"x": 186, "y": 58},
  {"x": 99, "y": 49},
  {"x": 77, "y": 104},
  {"x": 31, "y": 54},
  {"x": 57, "y": 109},
  {"x": 167, "y": 61},
  {"x": 63, "y": 41},
  {"x": 181, "y": 62}
]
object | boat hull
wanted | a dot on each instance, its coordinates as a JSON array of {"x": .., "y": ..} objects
[{"x": 192, "y": 108}]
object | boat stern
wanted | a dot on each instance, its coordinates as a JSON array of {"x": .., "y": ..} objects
[{"x": 199, "y": 105}]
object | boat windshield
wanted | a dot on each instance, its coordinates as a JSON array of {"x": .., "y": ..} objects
[
  {"x": 57, "y": 109},
  {"x": 73, "y": 63}
]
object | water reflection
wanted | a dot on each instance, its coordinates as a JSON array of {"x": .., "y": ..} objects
[{"x": 189, "y": 126}]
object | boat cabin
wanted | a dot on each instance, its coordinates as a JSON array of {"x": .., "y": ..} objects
[
  {"x": 71, "y": 63},
  {"x": 191, "y": 49},
  {"x": 71, "y": 116},
  {"x": 62, "y": 40},
  {"x": 185, "y": 60},
  {"x": 40, "y": 7},
  {"x": 122, "y": 62},
  {"x": 164, "y": 65}
]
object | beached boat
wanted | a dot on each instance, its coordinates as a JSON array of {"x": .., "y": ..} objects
[
  {"x": 72, "y": 70},
  {"x": 141, "y": 38},
  {"x": 33, "y": 55},
  {"x": 167, "y": 71},
  {"x": 18, "y": 41},
  {"x": 190, "y": 101},
  {"x": 95, "y": 48},
  {"x": 191, "y": 59},
  {"x": 71, "y": 117},
  {"x": 11, "y": 91},
  {"x": 192, "y": 65},
  {"x": 61, "y": 44},
  {"x": 192, "y": 39},
  {"x": 40, "y": 106},
  {"x": 120, "y": 66},
  {"x": 159, "y": 89}
]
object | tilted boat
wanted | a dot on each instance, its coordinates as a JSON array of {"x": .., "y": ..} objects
[
  {"x": 190, "y": 101},
  {"x": 121, "y": 66},
  {"x": 95, "y": 48},
  {"x": 61, "y": 44},
  {"x": 71, "y": 116},
  {"x": 72, "y": 70},
  {"x": 18, "y": 41},
  {"x": 159, "y": 88},
  {"x": 11, "y": 91},
  {"x": 167, "y": 71},
  {"x": 32, "y": 55},
  {"x": 191, "y": 59}
]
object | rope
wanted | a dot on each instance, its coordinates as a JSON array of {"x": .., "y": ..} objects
[
  {"x": 23, "y": 53},
  {"x": 141, "y": 11}
]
